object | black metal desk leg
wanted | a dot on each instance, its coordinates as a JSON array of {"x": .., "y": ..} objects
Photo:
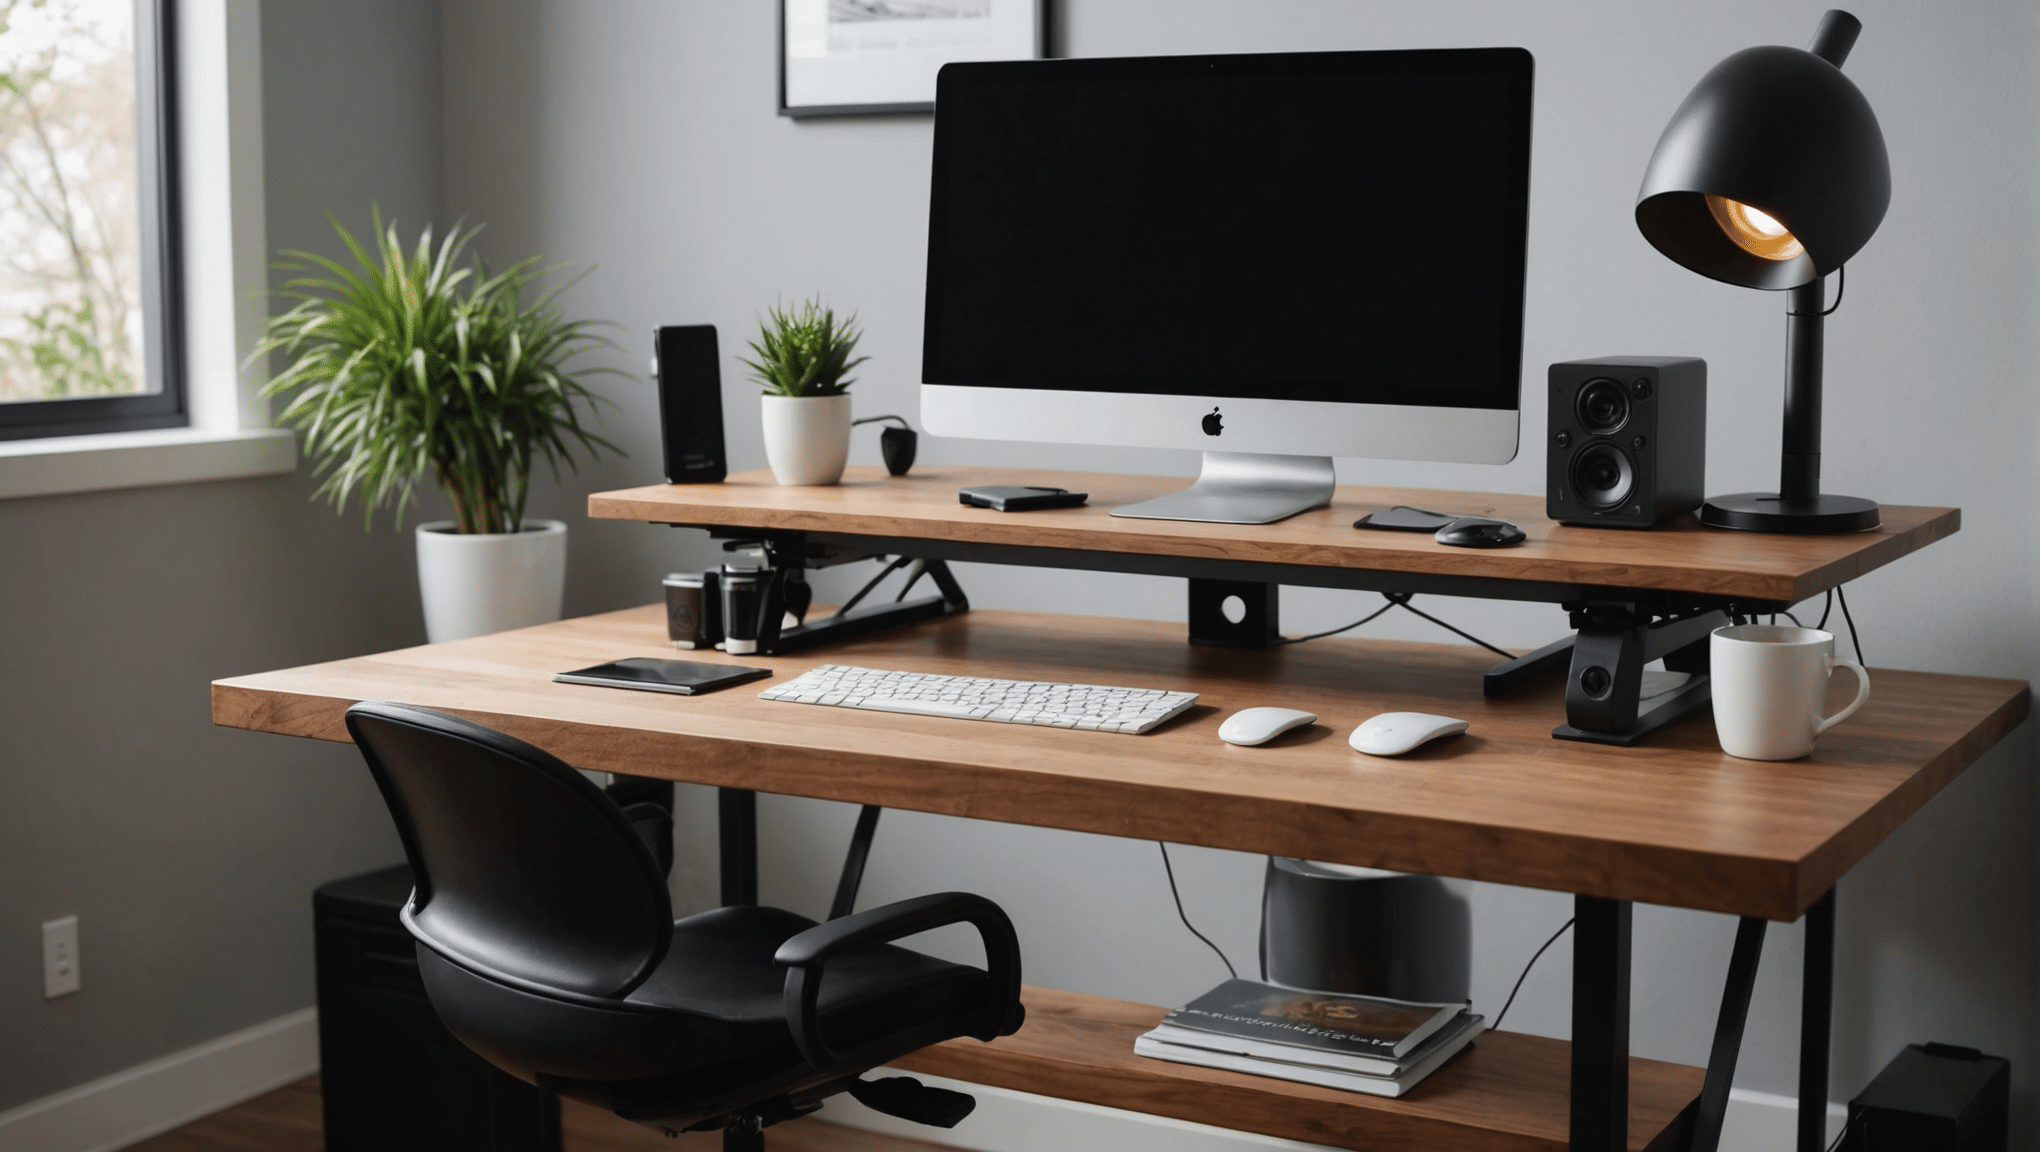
[
  {"x": 737, "y": 828},
  {"x": 1816, "y": 1012},
  {"x": 1600, "y": 1025},
  {"x": 1728, "y": 1034}
]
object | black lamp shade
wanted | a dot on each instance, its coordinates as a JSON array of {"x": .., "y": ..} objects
[{"x": 1780, "y": 130}]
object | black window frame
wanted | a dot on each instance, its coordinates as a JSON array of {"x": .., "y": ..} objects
[{"x": 161, "y": 259}]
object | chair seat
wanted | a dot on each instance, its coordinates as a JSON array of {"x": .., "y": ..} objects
[
  {"x": 707, "y": 1030},
  {"x": 719, "y": 967}
]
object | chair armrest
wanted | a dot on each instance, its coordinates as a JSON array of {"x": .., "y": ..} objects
[{"x": 807, "y": 953}]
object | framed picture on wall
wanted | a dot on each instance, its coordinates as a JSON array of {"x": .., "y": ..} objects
[{"x": 879, "y": 57}]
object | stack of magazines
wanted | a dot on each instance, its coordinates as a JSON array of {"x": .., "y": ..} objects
[{"x": 1360, "y": 1043}]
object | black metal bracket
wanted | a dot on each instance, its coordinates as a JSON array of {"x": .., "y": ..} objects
[
  {"x": 1728, "y": 1034},
  {"x": 737, "y": 837},
  {"x": 1604, "y": 686},
  {"x": 1600, "y": 1025},
  {"x": 790, "y": 555},
  {"x": 853, "y": 862},
  {"x": 1259, "y": 626},
  {"x": 1816, "y": 1015},
  {"x": 1510, "y": 675}
]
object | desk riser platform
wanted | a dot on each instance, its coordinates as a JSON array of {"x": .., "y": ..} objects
[{"x": 1625, "y": 590}]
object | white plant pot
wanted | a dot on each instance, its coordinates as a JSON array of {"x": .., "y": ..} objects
[
  {"x": 474, "y": 585},
  {"x": 807, "y": 438}
]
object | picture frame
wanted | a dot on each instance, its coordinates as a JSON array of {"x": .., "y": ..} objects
[{"x": 879, "y": 57}]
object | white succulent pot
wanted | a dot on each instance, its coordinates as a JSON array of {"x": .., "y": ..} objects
[
  {"x": 489, "y": 582},
  {"x": 807, "y": 438}
]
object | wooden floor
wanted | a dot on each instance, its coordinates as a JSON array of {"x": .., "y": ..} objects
[{"x": 287, "y": 1120}]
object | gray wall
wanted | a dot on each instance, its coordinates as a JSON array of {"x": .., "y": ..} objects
[
  {"x": 189, "y": 852},
  {"x": 640, "y": 137}
]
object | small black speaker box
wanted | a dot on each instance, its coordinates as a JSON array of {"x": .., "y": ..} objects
[
  {"x": 690, "y": 404},
  {"x": 1934, "y": 1098},
  {"x": 1627, "y": 440}
]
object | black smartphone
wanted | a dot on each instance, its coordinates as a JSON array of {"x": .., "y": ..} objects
[
  {"x": 681, "y": 677},
  {"x": 690, "y": 404},
  {"x": 1019, "y": 498}
]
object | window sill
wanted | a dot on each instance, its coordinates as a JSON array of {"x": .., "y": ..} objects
[{"x": 96, "y": 463}]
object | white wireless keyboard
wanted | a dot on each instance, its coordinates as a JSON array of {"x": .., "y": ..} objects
[{"x": 1095, "y": 707}]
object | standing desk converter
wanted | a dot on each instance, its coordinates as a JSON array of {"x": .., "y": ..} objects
[{"x": 1671, "y": 820}]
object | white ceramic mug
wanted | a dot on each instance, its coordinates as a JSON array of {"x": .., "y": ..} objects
[{"x": 1770, "y": 684}]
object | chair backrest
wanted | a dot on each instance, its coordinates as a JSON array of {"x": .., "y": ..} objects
[{"x": 525, "y": 871}]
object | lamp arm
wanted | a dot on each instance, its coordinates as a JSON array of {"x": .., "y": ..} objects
[
  {"x": 1835, "y": 36},
  {"x": 1805, "y": 321}
]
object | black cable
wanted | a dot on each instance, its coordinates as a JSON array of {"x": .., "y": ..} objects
[
  {"x": 1402, "y": 599},
  {"x": 913, "y": 578},
  {"x": 1847, "y": 1123},
  {"x": 872, "y": 583},
  {"x": 1844, "y": 598},
  {"x": 1841, "y": 290},
  {"x": 1399, "y": 600},
  {"x": 1825, "y": 609},
  {"x": 1336, "y": 631},
  {"x": 1185, "y": 916},
  {"x": 1510, "y": 1002}
]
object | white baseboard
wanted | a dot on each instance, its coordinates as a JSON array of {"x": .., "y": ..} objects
[
  {"x": 1766, "y": 1122},
  {"x": 1008, "y": 1121},
  {"x": 132, "y": 1105}
]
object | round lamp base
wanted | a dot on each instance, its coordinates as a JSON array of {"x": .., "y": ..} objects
[{"x": 1770, "y": 512}]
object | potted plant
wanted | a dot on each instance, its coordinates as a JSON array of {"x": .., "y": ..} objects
[
  {"x": 803, "y": 354},
  {"x": 408, "y": 365}
]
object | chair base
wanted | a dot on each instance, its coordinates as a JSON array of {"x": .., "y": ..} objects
[{"x": 746, "y": 1135}]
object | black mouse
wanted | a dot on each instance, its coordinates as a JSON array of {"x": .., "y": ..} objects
[{"x": 1479, "y": 532}]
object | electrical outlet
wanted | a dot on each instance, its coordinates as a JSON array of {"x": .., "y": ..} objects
[{"x": 60, "y": 957}]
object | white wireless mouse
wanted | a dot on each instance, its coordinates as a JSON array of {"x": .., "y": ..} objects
[
  {"x": 1260, "y": 725},
  {"x": 1394, "y": 733}
]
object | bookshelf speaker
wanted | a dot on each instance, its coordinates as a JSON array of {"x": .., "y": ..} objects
[
  {"x": 690, "y": 404},
  {"x": 1627, "y": 440}
]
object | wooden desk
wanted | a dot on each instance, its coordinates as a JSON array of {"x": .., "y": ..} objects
[{"x": 1675, "y": 822}]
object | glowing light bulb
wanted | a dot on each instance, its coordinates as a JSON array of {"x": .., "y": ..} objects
[{"x": 1754, "y": 231}]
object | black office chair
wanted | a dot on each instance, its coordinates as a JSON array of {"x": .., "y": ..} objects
[{"x": 547, "y": 943}]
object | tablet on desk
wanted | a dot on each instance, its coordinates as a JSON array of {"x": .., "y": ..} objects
[{"x": 680, "y": 677}]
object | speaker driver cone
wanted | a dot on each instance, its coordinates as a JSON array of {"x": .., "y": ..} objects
[
  {"x": 1603, "y": 475},
  {"x": 1603, "y": 407}
]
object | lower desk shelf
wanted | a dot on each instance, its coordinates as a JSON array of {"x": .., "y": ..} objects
[{"x": 1507, "y": 1092}]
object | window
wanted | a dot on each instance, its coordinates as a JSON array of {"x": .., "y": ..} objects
[{"x": 88, "y": 335}]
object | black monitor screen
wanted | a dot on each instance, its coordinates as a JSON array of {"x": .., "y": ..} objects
[{"x": 1325, "y": 226}]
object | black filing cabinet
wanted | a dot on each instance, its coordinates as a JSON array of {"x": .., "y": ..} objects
[{"x": 393, "y": 1078}]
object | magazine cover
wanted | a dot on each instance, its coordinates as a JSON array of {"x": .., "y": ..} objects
[{"x": 1356, "y": 1025}]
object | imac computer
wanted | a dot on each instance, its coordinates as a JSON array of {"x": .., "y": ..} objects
[{"x": 1276, "y": 259}]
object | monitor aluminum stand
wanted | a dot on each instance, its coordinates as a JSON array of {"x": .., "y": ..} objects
[{"x": 1244, "y": 488}]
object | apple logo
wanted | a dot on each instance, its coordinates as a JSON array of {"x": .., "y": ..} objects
[{"x": 1212, "y": 425}]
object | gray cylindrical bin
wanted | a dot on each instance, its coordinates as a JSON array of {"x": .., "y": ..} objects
[{"x": 1338, "y": 928}]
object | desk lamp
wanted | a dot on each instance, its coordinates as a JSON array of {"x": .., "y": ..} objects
[{"x": 1771, "y": 175}]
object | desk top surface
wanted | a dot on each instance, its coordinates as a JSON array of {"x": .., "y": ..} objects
[
  {"x": 1674, "y": 821},
  {"x": 1683, "y": 556}
]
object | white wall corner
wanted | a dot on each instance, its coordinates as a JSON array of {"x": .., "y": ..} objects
[
  {"x": 225, "y": 229},
  {"x": 168, "y": 1092}
]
